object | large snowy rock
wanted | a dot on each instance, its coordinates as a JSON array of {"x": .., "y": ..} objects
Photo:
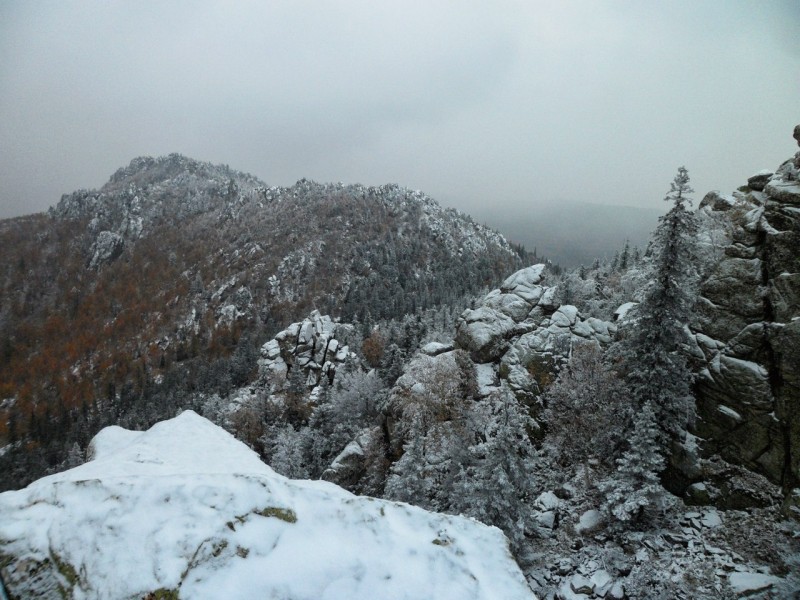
[
  {"x": 107, "y": 247},
  {"x": 311, "y": 344},
  {"x": 526, "y": 283},
  {"x": 185, "y": 509},
  {"x": 748, "y": 584},
  {"x": 520, "y": 328},
  {"x": 784, "y": 191},
  {"x": 505, "y": 312},
  {"x": 758, "y": 181},
  {"x": 484, "y": 332}
]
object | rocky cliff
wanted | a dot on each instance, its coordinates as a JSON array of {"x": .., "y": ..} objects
[
  {"x": 744, "y": 337},
  {"x": 747, "y": 330},
  {"x": 521, "y": 334}
]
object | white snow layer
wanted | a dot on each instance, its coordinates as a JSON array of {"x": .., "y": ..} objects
[{"x": 184, "y": 506}]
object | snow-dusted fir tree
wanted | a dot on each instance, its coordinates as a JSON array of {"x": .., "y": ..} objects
[
  {"x": 654, "y": 365},
  {"x": 286, "y": 450},
  {"x": 408, "y": 480},
  {"x": 495, "y": 485},
  {"x": 635, "y": 487}
]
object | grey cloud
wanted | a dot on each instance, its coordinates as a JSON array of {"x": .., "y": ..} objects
[{"x": 487, "y": 107}]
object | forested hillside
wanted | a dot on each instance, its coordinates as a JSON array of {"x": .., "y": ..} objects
[{"x": 177, "y": 270}]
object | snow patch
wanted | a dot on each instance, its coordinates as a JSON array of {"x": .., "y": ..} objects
[{"x": 184, "y": 506}]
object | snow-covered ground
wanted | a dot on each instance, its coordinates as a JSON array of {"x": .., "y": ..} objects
[{"x": 186, "y": 508}]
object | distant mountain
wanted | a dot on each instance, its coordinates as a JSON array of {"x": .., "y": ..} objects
[
  {"x": 574, "y": 233},
  {"x": 176, "y": 262}
]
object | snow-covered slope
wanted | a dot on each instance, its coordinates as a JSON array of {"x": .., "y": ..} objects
[{"x": 185, "y": 510}]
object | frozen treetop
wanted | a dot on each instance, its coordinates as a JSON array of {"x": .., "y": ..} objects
[{"x": 186, "y": 508}]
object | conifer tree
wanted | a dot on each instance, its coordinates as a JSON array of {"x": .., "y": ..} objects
[
  {"x": 408, "y": 479},
  {"x": 654, "y": 365},
  {"x": 635, "y": 486},
  {"x": 496, "y": 486},
  {"x": 624, "y": 258},
  {"x": 588, "y": 410}
]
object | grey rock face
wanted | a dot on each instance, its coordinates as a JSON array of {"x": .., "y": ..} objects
[
  {"x": 719, "y": 202},
  {"x": 759, "y": 180},
  {"x": 519, "y": 329},
  {"x": 311, "y": 345},
  {"x": 748, "y": 391},
  {"x": 106, "y": 248}
]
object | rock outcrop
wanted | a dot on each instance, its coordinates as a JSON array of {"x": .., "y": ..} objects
[
  {"x": 745, "y": 337},
  {"x": 519, "y": 334},
  {"x": 747, "y": 331},
  {"x": 312, "y": 345}
]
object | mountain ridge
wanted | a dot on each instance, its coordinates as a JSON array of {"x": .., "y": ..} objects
[{"x": 175, "y": 261}]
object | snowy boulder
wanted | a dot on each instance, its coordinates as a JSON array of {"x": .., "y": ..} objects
[
  {"x": 716, "y": 201},
  {"x": 581, "y": 585},
  {"x": 583, "y": 329},
  {"x": 106, "y": 248},
  {"x": 185, "y": 510},
  {"x": 350, "y": 463},
  {"x": 271, "y": 350},
  {"x": 546, "y": 510},
  {"x": 436, "y": 348},
  {"x": 487, "y": 379},
  {"x": 783, "y": 191},
  {"x": 547, "y": 519},
  {"x": 749, "y": 584},
  {"x": 510, "y": 305},
  {"x": 547, "y": 501},
  {"x": 603, "y": 330},
  {"x": 565, "y": 316},
  {"x": 759, "y": 180},
  {"x": 622, "y": 311},
  {"x": 483, "y": 332},
  {"x": 526, "y": 283},
  {"x": 589, "y": 522},
  {"x": 699, "y": 494},
  {"x": 548, "y": 302},
  {"x": 602, "y": 582}
]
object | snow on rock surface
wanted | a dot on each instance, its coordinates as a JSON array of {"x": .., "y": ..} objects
[
  {"x": 184, "y": 507},
  {"x": 311, "y": 344},
  {"x": 525, "y": 283},
  {"x": 590, "y": 521},
  {"x": 622, "y": 311},
  {"x": 746, "y": 584},
  {"x": 436, "y": 348}
]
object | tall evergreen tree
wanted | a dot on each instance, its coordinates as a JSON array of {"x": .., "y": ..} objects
[
  {"x": 624, "y": 257},
  {"x": 654, "y": 365}
]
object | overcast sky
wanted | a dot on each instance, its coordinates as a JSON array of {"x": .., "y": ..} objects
[{"x": 486, "y": 106}]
